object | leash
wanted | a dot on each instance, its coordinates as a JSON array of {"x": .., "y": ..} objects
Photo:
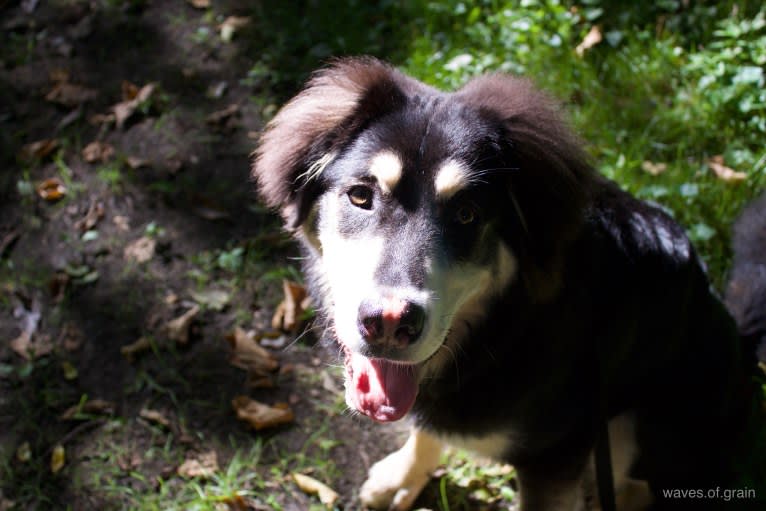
[
  {"x": 602, "y": 453},
  {"x": 604, "y": 479}
]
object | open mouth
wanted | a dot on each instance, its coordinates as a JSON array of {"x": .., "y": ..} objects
[{"x": 384, "y": 390}]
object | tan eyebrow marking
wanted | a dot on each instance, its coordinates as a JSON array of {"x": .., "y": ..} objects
[
  {"x": 387, "y": 169},
  {"x": 451, "y": 177}
]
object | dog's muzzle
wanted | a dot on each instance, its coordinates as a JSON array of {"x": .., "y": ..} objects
[{"x": 378, "y": 385}]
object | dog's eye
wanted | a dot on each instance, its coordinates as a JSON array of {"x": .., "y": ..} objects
[
  {"x": 466, "y": 214},
  {"x": 360, "y": 196}
]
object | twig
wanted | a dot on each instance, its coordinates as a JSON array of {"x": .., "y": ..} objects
[{"x": 81, "y": 428}]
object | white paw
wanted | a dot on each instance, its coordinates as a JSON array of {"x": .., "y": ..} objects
[
  {"x": 393, "y": 483},
  {"x": 396, "y": 481}
]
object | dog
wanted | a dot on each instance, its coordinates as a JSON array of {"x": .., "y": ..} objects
[{"x": 479, "y": 277}]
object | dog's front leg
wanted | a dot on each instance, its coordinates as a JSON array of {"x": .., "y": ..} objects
[{"x": 395, "y": 481}]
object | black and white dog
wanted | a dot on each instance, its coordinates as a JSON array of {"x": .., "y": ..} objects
[{"x": 481, "y": 278}]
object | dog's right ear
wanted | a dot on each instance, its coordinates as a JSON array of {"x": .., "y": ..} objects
[{"x": 310, "y": 130}]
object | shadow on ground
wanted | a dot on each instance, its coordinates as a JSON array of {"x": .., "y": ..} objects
[{"x": 74, "y": 289}]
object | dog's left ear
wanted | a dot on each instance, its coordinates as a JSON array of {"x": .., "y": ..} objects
[
  {"x": 549, "y": 177},
  {"x": 310, "y": 130}
]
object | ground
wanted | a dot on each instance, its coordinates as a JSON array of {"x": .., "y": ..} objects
[
  {"x": 194, "y": 199},
  {"x": 126, "y": 207},
  {"x": 175, "y": 177}
]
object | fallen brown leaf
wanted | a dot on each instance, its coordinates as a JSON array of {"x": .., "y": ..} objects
[
  {"x": 29, "y": 344},
  {"x": 140, "y": 250},
  {"x": 38, "y": 149},
  {"x": 91, "y": 407},
  {"x": 129, "y": 90},
  {"x": 247, "y": 354},
  {"x": 155, "y": 417},
  {"x": 131, "y": 350},
  {"x": 82, "y": 28},
  {"x": 211, "y": 213},
  {"x": 24, "y": 452},
  {"x": 58, "y": 285},
  {"x": 592, "y": 38},
  {"x": 58, "y": 75},
  {"x": 215, "y": 299},
  {"x": 236, "y": 21},
  {"x": 136, "y": 163},
  {"x": 178, "y": 329},
  {"x": 22, "y": 346},
  {"x": 51, "y": 189},
  {"x": 723, "y": 172},
  {"x": 240, "y": 503},
  {"x": 202, "y": 465},
  {"x": 309, "y": 485},
  {"x": 652, "y": 168},
  {"x": 58, "y": 458},
  {"x": 98, "y": 151},
  {"x": 199, "y": 4},
  {"x": 261, "y": 416},
  {"x": 256, "y": 381},
  {"x": 329, "y": 384},
  {"x": 69, "y": 119},
  {"x": 225, "y": 120},
  {"x": 230, "y": 25},
  {"x": 98, "y": 119},
  {"x": 71, "y": 337},
  {"x": 133, "y": 98},
  {"x": 221, "y": 116},
  {"x": 121, "y": 222},
  {"x": 287, "y": 315},
  {"x": 69, "y": 94},
  {"x": 217, "y": 90},
  {"x": 174, "y": 165},
  {"x": 92, "y": 217},
  {"x": 275, "y": 342},
  {"x": 130, "y": 462}
]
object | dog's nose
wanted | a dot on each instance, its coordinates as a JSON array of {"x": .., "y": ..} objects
[{"x": 392, "y": 322}]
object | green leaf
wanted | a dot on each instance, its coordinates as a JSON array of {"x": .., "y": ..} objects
[
  {"x": 701, "y": 232},
  {"x": 689, "y": 190},
  {"x": 748, "y": 75}
]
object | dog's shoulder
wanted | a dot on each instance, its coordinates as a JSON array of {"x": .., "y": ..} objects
[{"x": 638, "y": 233}]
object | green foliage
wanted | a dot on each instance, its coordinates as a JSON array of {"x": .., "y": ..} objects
[
  {"x": 458, "y": 40},
  {"x": 111, "y": 175},
  {"x": 231, "y": 260},
  {"x": 724, "y": 86},
  {"x": 301, "y": 36},
  {"x": 465, "y": 484},
  {"x": 668, "y": 84}
]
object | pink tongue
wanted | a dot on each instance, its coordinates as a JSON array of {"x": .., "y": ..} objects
[{"x": 381, "y": 389}]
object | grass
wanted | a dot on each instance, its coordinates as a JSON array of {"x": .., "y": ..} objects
[
  {"x": 651, "y": 91},
  {"x": 668, "y": 84},
  {"x": 468, "y": 484}
]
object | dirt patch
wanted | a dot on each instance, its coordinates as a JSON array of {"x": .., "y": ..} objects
[
  {"x": 146, "y": 227},
  {"x": 145, "y": 216}
]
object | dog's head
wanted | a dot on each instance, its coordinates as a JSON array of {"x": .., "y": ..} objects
[{"x": 415, "y": 207}]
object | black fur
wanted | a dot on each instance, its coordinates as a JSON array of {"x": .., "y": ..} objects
[
  {"x": 746, "y": 293},
  {"x": 611, "y": 310}
]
